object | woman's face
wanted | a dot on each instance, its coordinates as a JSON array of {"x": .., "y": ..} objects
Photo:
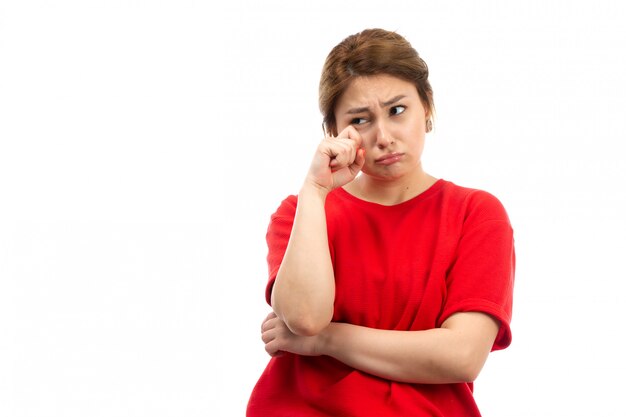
[{"x": 389, "y": 115}]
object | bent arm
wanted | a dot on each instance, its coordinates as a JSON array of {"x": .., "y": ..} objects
[
  {"x": 303, "y": 295},
  {"x": 454, "y": 353}
]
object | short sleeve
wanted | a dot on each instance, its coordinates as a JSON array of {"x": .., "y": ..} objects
[
  {"x": 482, "y": 274},
  {"x": 277, "y": 237}
]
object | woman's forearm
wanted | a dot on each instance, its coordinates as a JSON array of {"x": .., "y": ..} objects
[
  {"x": 304, "y": 291},
  {"x": 450, "y": 354}
]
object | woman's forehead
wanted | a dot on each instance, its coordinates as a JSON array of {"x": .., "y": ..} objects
[{"x": 375, "y": 89}]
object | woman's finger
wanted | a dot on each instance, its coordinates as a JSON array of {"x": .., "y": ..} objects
[
  {"x": 359, "y": 161},
  {"x": 268, "y": 336},
  {"x": 342, "y": 152},
  {"x": 352, "y": 134},
  {"x": 269, "y": 317},
  {"x": 270, "y": 349}
]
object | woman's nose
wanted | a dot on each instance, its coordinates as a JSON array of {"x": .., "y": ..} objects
[{"x": 383, "y": 138}]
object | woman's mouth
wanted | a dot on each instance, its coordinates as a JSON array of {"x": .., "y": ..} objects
[{"x": 390, "y": 158}]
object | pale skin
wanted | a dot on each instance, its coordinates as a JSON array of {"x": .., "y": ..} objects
[{"x": 381, "y": 122}]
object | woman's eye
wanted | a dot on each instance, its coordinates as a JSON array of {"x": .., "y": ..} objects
[
  {"x": 396, "y": 110},
  {"x": 358, "y": 121}
]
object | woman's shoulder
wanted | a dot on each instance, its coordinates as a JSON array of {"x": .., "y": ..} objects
[
  {"x": 475, "y": 202},
  {"x": 287, "y": 207}
]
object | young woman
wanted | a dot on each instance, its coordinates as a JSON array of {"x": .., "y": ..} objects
[{"x": 389, "y": 287}]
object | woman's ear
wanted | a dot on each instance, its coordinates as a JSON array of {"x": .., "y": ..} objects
[{"x": 429, "y": 120}]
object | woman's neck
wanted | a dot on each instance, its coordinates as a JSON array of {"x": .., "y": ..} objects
[{"x": 390, "y": 192}]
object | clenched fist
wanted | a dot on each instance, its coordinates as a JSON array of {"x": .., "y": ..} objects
[{"x": 337, "y": 160}]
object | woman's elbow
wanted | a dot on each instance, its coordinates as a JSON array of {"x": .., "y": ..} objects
[
  {"x": 301, "y": 319},
  {"x": 303, "y": 322},
  {"x": 469, "y": 366},
  {"x": 307, "y": 326},
  {"x": 469, "y": 374}
]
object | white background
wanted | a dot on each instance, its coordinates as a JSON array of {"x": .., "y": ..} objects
[{"x": 144, "y": 145}]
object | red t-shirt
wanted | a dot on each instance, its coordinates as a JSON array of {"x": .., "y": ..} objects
[{"x": 403, "y": 267}]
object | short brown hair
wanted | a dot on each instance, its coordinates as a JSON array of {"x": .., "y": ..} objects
[{"x": 370, "y": 52}]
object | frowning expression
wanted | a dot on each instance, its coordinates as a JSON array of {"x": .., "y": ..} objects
[{"x": 390, "y": 117}]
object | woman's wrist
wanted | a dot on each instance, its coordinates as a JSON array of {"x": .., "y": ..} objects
[
  {"x": 311, "y": 189},
  {"x": 326, "y": 340}
]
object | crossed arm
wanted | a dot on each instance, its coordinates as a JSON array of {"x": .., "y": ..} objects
[{"x": 456, "y": 352}]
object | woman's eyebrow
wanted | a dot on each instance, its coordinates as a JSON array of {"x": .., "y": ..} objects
[
  {"x": 383, "y": 104},
  {"x": 358, "y": 110},
  {"x": 392, "y": 101}
]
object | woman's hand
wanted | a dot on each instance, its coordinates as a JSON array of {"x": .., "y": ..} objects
[
  {"x": 278, "y": 338},
  {"x": 337, "y": 160}
]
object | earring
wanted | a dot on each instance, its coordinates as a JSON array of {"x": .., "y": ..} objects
[{"x": 429, "y": 125}]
